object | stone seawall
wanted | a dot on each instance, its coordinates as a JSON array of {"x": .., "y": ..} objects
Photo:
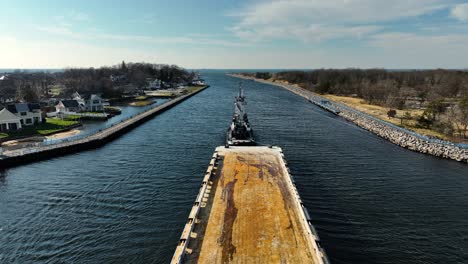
[{"x": 399, "y": 136}]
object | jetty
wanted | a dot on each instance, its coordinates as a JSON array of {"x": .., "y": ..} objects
[
  {"x": 9, "y": 158},
  {"x": 248, "y": 210}
]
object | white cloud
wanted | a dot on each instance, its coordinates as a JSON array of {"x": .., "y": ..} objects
[
  {"x": 460, "y": 12},
  {"x": 315, "y": 20},
  {"x": 194, "y": 39},
  {"x": 426, "y": 51},
  {"x": 306, "y": 33},
  {"x": 62, "y": 54},
  {"x": 414, "y": 42}
]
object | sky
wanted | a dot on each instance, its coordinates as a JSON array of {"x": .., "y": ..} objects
[{"x": 241, "y": 34}]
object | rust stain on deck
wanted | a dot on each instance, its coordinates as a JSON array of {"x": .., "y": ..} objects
[{"x": 257, "y": 221}]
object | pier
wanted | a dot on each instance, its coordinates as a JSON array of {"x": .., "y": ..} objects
[
  {"x": 24, "y": 155},
  {"x": 248, "y": 210}
]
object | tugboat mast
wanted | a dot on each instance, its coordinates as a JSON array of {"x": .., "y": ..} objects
[
  {"x": 240, "y": 102},
  {"x": 240, "y": 132}
]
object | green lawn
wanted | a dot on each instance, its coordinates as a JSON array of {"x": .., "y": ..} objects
[
  {"x": 59, "y": 122},
  {"x": 73, "y": 117},
  {"x": 52, "y": 126}
]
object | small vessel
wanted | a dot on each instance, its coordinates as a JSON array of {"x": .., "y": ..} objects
[{"x": 240, "y": 132}]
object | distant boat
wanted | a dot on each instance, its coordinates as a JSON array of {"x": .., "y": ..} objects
[{"x": 240, "y": 132}]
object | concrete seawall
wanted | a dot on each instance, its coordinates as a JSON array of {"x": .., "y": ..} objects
[
  {"x": 21, "y": 156},
  {"x": 399, "y": 136}
]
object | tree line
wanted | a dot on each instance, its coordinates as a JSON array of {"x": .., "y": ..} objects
[{"x": 31, "y": 86}]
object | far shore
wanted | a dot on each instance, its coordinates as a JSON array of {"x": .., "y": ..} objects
[
  {"x": 373, "y": 110},
  {"x": 401, "y": 137}
]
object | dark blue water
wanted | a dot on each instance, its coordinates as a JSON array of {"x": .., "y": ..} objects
[
  {"x": 127, "y": 202},
  {"x": 90, "y": 127}
]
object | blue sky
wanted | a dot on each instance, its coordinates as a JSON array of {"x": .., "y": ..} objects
[{"x": 236, "y": 34}]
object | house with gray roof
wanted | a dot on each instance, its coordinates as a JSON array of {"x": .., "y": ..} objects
[
  {"x": 9, "y": 121},
  {"x": 94, "y": 103},
  {"x": 70, "y": 106},
  {"x": 29, "y": 113}
]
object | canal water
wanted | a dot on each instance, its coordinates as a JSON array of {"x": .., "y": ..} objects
[
  {"x": 89, "y": 127},
  {"x": 127, "y": 202}
]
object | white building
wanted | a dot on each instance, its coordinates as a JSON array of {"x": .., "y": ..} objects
[
  {"x": 68, "y": 106},
  {"x": 154, "y": 84},
  {"x": 9, "y": 121},
  {"x": 94, "y": 103},
  {"x": 198, "y": 82},
  {"x": 81, "y": 102},
  {"x": 30, "y": 114}
]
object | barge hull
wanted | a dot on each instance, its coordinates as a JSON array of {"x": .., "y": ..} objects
[{"x": 248, "y": 211}]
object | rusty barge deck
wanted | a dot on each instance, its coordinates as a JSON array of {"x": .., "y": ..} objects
[{"x": 248, "y": 211}]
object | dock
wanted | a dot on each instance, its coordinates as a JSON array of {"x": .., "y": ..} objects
[
  {"x": 24, "y": 155},
  {"x": 248, "y": 210}
]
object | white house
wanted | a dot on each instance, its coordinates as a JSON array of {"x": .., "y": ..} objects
[
  {"x": 81, "y": 102},
  {"x": 198, "y": 82},
  {"x": 68, "y": 106},
  {"x": 94, "y": 103},
  {"x": 29, "y": 114},
  {"x": 154, "y": 84},
  {"x": 9, "y": 121}
]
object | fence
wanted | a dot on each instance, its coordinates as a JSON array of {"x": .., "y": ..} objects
[{"x": 52, "y": 143}]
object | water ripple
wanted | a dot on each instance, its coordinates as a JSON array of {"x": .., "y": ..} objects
[{"x": 371, "y": 201}]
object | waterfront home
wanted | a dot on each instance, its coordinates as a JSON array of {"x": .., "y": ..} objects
[
  {"x": 68, "y": 106},
  {"x": 94, "y": 103},
  {"x": 81, "y": 102},
  {"x": 154, "y": 84},
  {"x": 9, "y": 121},
  {"x": 197, "y": 82},
  {"x": 29, "y": 113},
  {"x": 48, "y": 102}
]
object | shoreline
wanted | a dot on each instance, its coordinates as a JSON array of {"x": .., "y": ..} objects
[
  {"x": 45, "y": 151},
  {"x": 399, "y": 136}
]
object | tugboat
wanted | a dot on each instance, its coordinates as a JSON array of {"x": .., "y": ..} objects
[{"x": 240, "y": 133}]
